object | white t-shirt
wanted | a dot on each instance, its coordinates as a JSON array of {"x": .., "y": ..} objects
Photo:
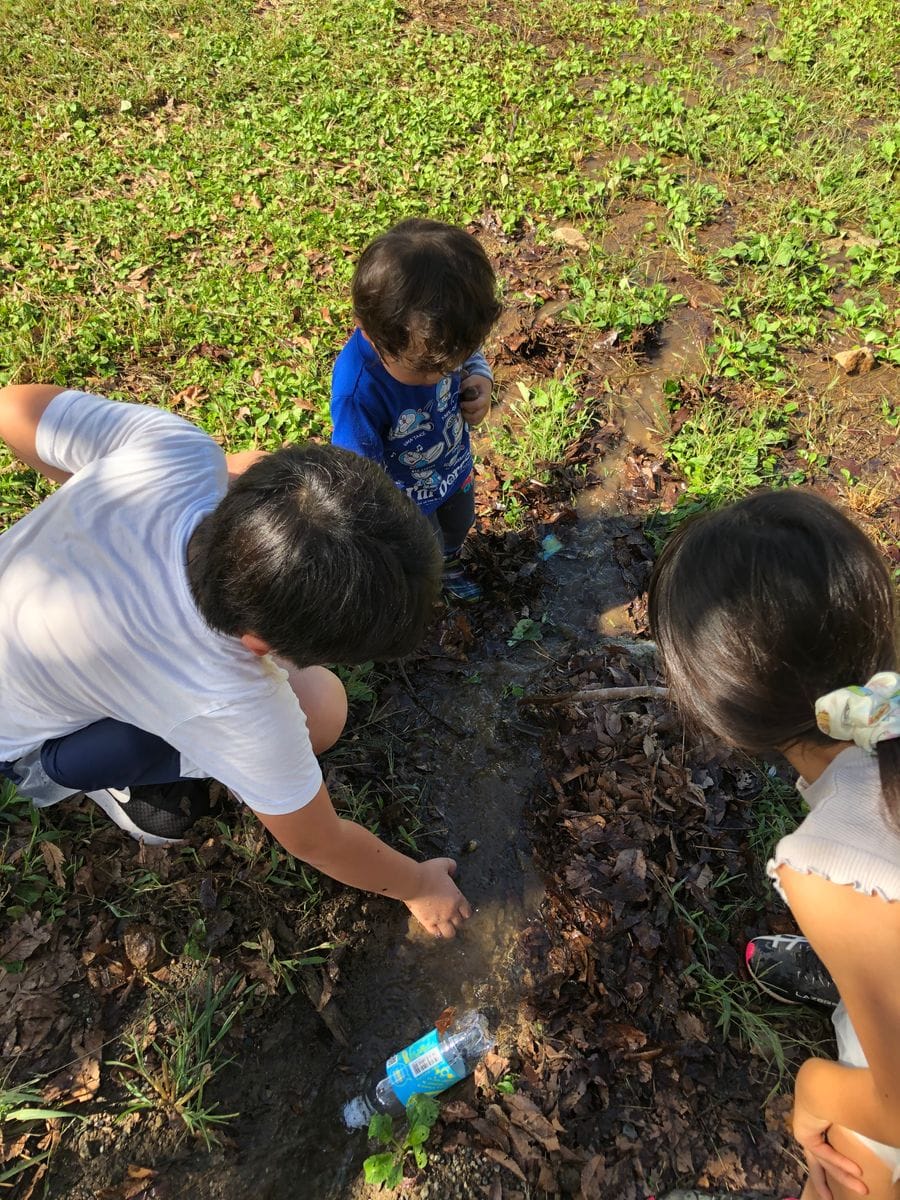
[{"x": 97, "y": 619}]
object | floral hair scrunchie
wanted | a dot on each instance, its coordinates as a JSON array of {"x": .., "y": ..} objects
[{"x": 865, "y": 715}]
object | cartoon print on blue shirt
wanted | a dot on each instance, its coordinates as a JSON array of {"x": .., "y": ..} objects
[
  {"x": 427, "y": 476},
  {"x": 420, "y": 457},
  {"x": 411, "y": 421},
  {"x": 442, "y": 394},
  {"x": 453, "y": 430},
  {"x": 398, "y": 424}
]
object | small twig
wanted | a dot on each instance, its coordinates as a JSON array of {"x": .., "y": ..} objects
[{"x": 640, "y": 692}]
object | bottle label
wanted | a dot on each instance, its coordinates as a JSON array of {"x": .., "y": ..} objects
[{"x": 421, "y": 1069}]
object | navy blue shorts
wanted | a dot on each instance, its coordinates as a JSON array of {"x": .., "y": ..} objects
[{"x": 107, "y": 754}]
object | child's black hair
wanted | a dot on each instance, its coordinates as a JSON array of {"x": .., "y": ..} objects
[
  {"x": 427, "y": 292},
  {"x": 762, "y": 607},
  {"x": 316, "y": 552}
]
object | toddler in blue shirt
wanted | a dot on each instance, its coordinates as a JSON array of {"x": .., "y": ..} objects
[{"x": 412, "y": 379}]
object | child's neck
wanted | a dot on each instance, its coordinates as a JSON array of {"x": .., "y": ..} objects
[{"x": 811, "y": 759}]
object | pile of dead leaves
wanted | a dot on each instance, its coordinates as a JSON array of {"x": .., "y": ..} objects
[{"x": 626, "y": 1085}]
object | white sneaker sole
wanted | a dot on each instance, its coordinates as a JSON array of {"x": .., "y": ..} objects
[{"x": 113, "y": 804}]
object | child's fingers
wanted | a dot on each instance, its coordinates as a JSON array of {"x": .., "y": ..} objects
[
  {"x": 824, "y": 1163},
  {"x": 839, "y": 1165},
  {"x": 818, "y": 1179}
]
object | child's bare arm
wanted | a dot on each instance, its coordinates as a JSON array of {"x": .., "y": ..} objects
[
  {"x": 857, "y": 938},
  {"x": 241, "y": 461},
  {"x": 351, "y": 854},
  {"x": 21, "y": 408}
]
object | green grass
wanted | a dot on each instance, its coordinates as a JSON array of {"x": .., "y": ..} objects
[
  {"x": 168, "y": 1070},
  {"x": 604, "y": 299},
  {"x": 539, "y": 426},
  {"x": 187, "y": 184},
  {"x": 724, "y": 451},
  {"x": 768, "y": 1030}
]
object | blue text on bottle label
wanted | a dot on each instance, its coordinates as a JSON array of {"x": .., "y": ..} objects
[{"x": 421, "y": 1069}]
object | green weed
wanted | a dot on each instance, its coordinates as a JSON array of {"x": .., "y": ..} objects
[
  {"x": 359, "y": 681},
  {"x": 285, "y": 970},
  {"x": 33, "y": 871},
  {"x": 385, "y": 1169},
  {"x": 169, "y": 1070},
  {"x": 24, "y": 1102},
  {"x": 539, "y": 427},
  {"x": 775, "y": 811},
  {"x": 724, "y": 451},
  {"x": 608, "y": 301},
  {"x": 383, "y": 808},
  {"x": 526, "y": 630},
  {"x": 765, "y": 1029}
]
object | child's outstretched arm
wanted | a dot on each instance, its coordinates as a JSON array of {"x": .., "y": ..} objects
[
  {"x": 857, "y": 938},
  {"x": 351, "y": 854}
]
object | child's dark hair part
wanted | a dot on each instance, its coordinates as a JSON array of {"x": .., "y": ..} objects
[
  {"x": 316, "y": 552},
  {"x": 762, "y": 607},
  {"x": 426, "y": 291}
]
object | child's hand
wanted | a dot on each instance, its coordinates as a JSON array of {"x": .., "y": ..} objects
[
  {"x": 475, "y": 399},
  {"x": 439, "y": 905},
  {"x": 812, "y": 1134}
]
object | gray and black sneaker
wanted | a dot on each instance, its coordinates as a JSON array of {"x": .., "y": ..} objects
[
  {"x": 159, "y": 815},
  {"x": 786, "y": 967}
]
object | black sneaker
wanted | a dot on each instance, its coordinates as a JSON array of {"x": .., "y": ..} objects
[
  {"x": 157, "y": 816},
  {"x": 787, "y": 968}
]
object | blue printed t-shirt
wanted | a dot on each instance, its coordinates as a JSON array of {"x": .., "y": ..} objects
[{"x": 417, "y": 433}]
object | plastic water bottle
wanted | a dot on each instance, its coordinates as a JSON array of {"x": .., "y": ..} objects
[{"x": 425, "y": 1068}]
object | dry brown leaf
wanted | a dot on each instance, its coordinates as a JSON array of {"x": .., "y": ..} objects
[
  {"x": 79, "y": 1081},
  {"x": 592, "y": 1175},
  {"x": 457, "y": 1110},
  {"x": 24, "y": 937},
  {"x": 504, "y": 1160},
  {"x": 570, "y": 236},
  {"x": 54, "y": 860}
]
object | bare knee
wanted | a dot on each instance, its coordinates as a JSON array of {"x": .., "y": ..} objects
[{"x": 324, "y": 701}]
